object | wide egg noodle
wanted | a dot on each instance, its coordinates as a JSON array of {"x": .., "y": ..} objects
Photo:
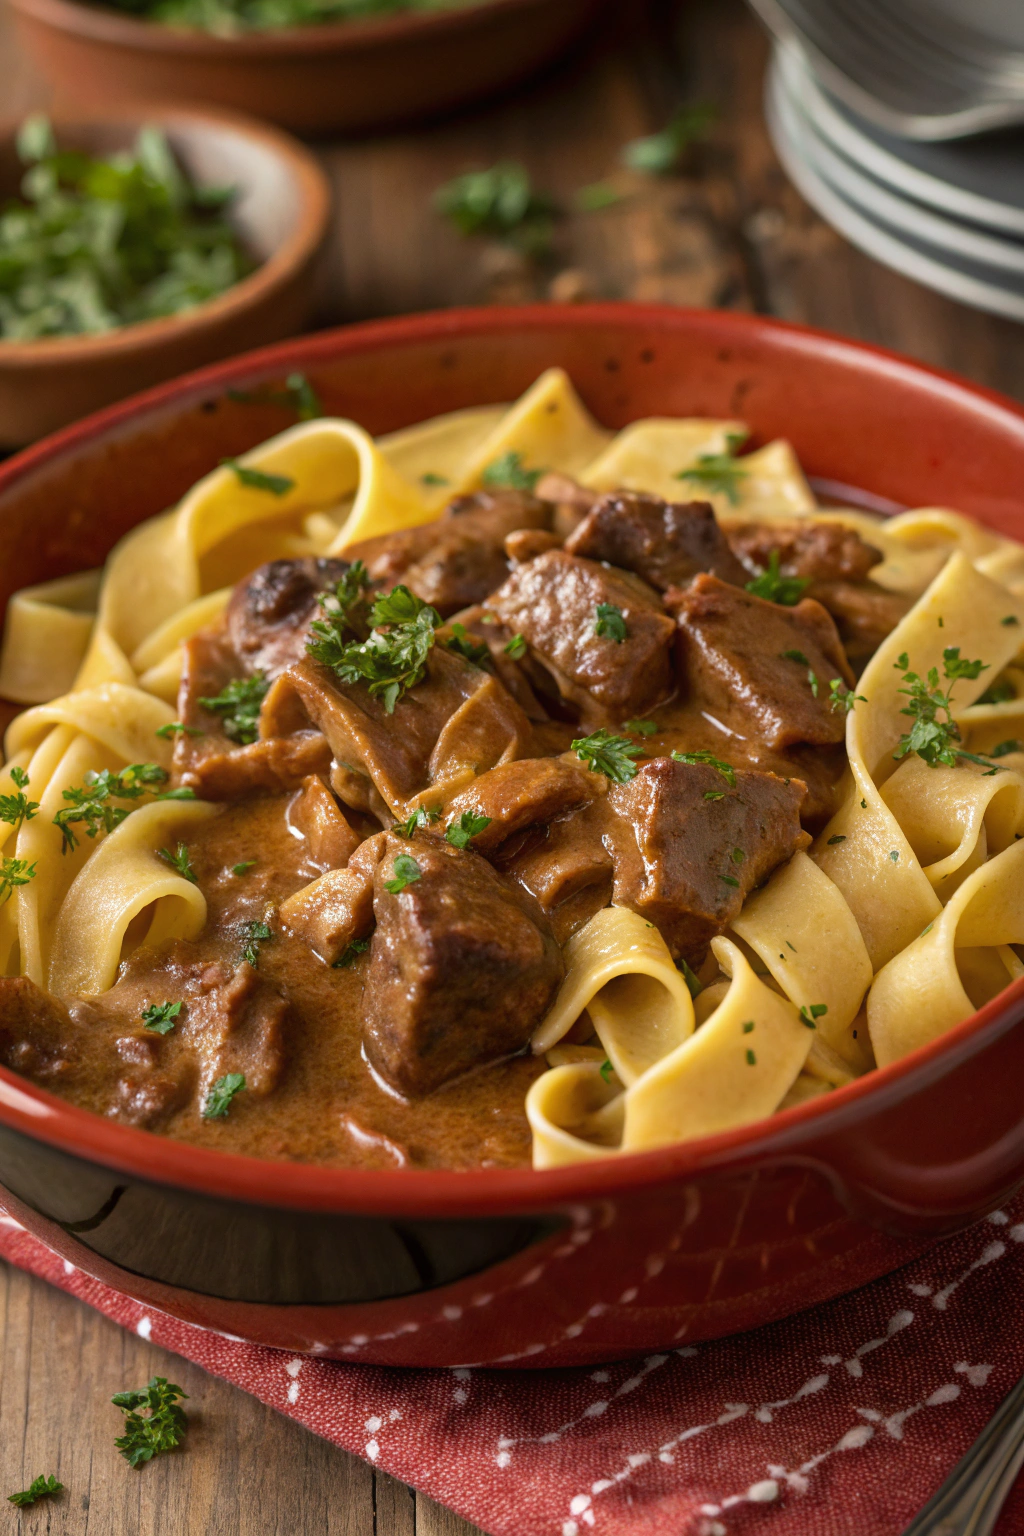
[
  {"x": 955, "y": 818},
  {"x": 124, "y": 878},
  {"x": 46, "y": 636},
  {"x": 124, "y": 720}
]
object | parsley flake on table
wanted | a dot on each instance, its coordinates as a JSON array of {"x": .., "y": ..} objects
[
  {"x": 659, "y": 153},
  {"x": 935, "y": 735},
  {"x": 776, "y": 588},
  {"x": 420, "y": 817},
  {"x": 516, "y": 647},
  {"x": 611, "y": 755},
  {"x": 18, "y": 808},
  {"x": 39, "y": 1488},
  {"x": 500, "y": 202},
  {"x": 461, "y": 833},
  {"x": 238, "y": 705},
  {"x": 180, "y": 861},
  {"x": 177, "y": 728},
  {"x": 92, "y": 804},
  {"x": 509, "y": 473},
  {"x": 719, "y": 472},
  {"x": 350, "y": 954},
  {"x": 405, "y": 871},
  {"x": 709, "y": 760},
  {"x": 153, "y": 1421},
  {"x": 222, "y": 1095},
  {"x": 160, "y": 1018},
  {"x": 809, "y": 1015},
  {"x": 14, "y": 872},
  {"x": 474, "y": 651},
  {"x": 253, "y": 936},
  {"x": 609, "y": 623},
  {"x": 258, "y": 479}
]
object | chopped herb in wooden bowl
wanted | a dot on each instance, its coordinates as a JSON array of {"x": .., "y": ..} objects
[{"x": 231, "y": 16}]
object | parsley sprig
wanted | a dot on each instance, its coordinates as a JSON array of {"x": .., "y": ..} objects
[
  {"x": 461, "y": 832},
  {"x": 153, "y": 1420},
  {"x": 501, "y": 202},
  {"x": 18, "y": 808},
  {"x": 394, "y": 657},
  {"x": 239, "y": 707},
  {"x": 39, "y": 1488},
  {"x": 14, "y": 872},
  {"x": 720, "y": 472},
  {"x": 258, "y": 480},
  {"x": 659, "y": 153},
  {"x": 93, "y": 804},
  {"x": 611, "y": 755},
  {"x": 253, "y": 936},
  {"x": 776, "y": 588},
  {"x": 422, "y": 816},
  {"x": 609, "y": 623},
  {"x": 711, "y": 761},
  {"x": 160, "y": 1018},
  {"x": 350, "y": 954},
  {"x": 406, "y": 871},
  {"x": 474, "y": 651},
  {"x": 221, "y": 1096},
  {"x": 935, "y": 735},
  {"x": 180, "y": 861},
  {"x": 177, "y": 728},
  {"x": 516, "y": 647},
  {"x": 509, "y": 473},
  {"x": 335, "y": 627},
  {"x": 841, "y": 697}
]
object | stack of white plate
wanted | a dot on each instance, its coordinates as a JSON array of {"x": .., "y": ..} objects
[{"x": 950, "y": 215}]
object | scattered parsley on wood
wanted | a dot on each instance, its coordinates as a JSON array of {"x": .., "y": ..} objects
[
  {"x": 500, "y": 202},
  {"x": 509, "y": 473},
  {"x": 238, "y": 705},
  {"x": 720, "y": 472},
  {"x": 811, "y": 1014},
  {"x": 350, "y": 954},
  {"x": 776, "y": 588},
  {"x": 709, "y": 760},
  {"x": 180, "y": 861},
  {"x": 39, "y": 1488},
  {"x": 18, "y": 808},
  {"x": 258, "y": 480},
  {"x": 516, "y": 647},
  {"x": 14, "y": 872},
  {"x": 609, "y": 623},
  {"x": 474, "y": 651},
  {"x": 160, "y": 1018},
  {"x": 92, "y": 806},
  {"x": 659, "y": 153},
  {"x": 461, "y": 833},
  {"x": 177, "y": 728},
  {"x": 422, "y": 816},
  {"x": 611, "y": 755},
  {"x": 254, "y": 935},
  {"x": 153, "y": 1420},
  {"x": 405, "y": 871},
  {"x": 222, "y": 1095},
  {"x": 935, "y": 735}
]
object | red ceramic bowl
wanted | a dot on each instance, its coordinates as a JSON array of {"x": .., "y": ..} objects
[{"x": 577, "y": 1264}]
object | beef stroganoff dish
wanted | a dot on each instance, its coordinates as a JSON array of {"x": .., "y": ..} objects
[{"x": 506, "y": 790}]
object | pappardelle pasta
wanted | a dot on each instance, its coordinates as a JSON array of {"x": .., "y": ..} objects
[{"x": 505, "y": 790}]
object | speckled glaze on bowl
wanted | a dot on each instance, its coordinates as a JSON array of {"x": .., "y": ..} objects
[
  {"x": 341, "y": 78},
  {"x": 515, "y": 1268}
]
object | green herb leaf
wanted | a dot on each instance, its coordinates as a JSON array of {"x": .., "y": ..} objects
[
  {"x": 1005, "y": 748},
  {"x": 516, "y": 647},
  {"x": 244, "y": 867},
  {"x": 180, "y": 862},
  {"x": 92, "y": 805},
  {"x": 420, "y": 817},
  {"x": 719, "y": 472},
  {"x": 14, "y": 872},
  {"x": 693, "y": 985},
  {"x": 393, "y": 659},
  {"x": 431, "y": 479},
  {"x": 253, "y": 936},
  {"x": 797, "y": 656},
  {"x": 598, "y": 195},
  {"x": 711, "y": 761},
  {"x": 999, "y": 692},
  {"x": 935, "y": 735},
  {"x": 177, "y": 728},
  {"x": 606, "y": 1069},
  {"x": 840, "y": 837},
  {"x": 659, "y": 153},
  {"x": 508, "y": 472},
  {"x": 466, "y": 828},
  {"x": 611, "y": 755},
  {"x": 160, "y": 1017},
  {"x": 220, "y": 1097},
  {"x": 17, "y": 808},
  {"x": 809, "y": 1015},
  {"x": 714, "y": 794},
  {"x": 39, "y": 1488},
  {"x": 841, "y": 697},
  {"x": 351, "y": 954},
  {"x": 751, "y": 1059},
  {"x": 640, "y": 727},
  {"x": 257, "y": 480},
  {"x": 238, "y": 705},
  {"x": 738, "y": 855},
  {"x": 729, "y": 880},
  {"x": 153, "y": 1422},
  {"x": 748, "y": 1027},
  {"x": 1011, "y": 618},
  {"x": 298, "y": 395},
  {"x": 813, "y": 681},
  {"x": 776, "y": 588},
  {"x": 183, "y": 792},
  {"x": 895, "y": 856},
  {"x": 406, "y": 871},
  {"x": 474, "y": 651},
  {"x": 500, "y": 202},
  {"x": 609, "y": 623}
]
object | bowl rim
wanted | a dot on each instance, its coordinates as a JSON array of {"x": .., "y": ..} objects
[
  {"x": 359, "y": 36},
  {"x": 298, "y": 247},
  {"x": 789, "y": 1134}
]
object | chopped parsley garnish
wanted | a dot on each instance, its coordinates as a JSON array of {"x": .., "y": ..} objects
[
  {"x": 14, "y": 872},
  {"x": 431, "y": 479},
  {"x": 895, "y": 856},
  {"x": 748, "y": 1027},
  {"x": 420, "y": 817},
  {"x": 405, "y": 871},
  {"x": 809, "y": 1015},
  {"x": 611, "y": 755},
  {"x": 710, "y": 761},
  {"x": 1011, "y": 618},
  {"x": 640, "y": 727},
  {"x": 751, "y": 1059},
  {"x": 221, "y": 1095},
  {"x": 841, "y": 697},
  {"x": 180, "y": 861},
  {"x": 813, "y": 681},
  {"x": 606, "y": 1069},
  {"x": 333, "y": 630},
  {"x": 999, "y": 692},
  {"x": 500, "y": 202},
  {"x": 609, "y": 623},
  {"x": 797, "y": 656},
  {"x": 693, "y": 985},
  {"x": 258, "y": 480},
  {"x": 153, "y": 1420},
  {"x": 729, "y": 880},
  {"x": 516, "y": 647},
  {"x": 160, "y": 1017},
  {"x": 659, "y": 153},
  {"x": 508, "y": 472},
  {"x": 476, "y": 652},
  {"x": 350, "y": 954},
  {"x": 177, "y": 728},
  {"x": 92, "y": 805},
  {"x": 776, "y": 588},
  {"x": 253, "y": 936},
  {"x": 714, "y": 794},
  {"x": 239, "y": 707},
  {"x": 39, "y": 1488},
  {"x": 183, "y": 792},
  {"x": 935, "y": 734},
  {"x": 738, "y": 855},
  {"x": 393, "y": 659},
  {"x": 244, "y": 867},
  {"x": 1004, "y": 748},
  {"x": 460, "y": 833},
  {"x": 719, "y": 472},
  {"x": 18, "y": 808},
  {"x": 840, "y": 837}
]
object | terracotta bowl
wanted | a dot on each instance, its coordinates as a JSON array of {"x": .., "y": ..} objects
[
  {"x": 281, "y": 212},
  {"x": 515, "y": 1268},
  {"x": 344, "y": 77}
]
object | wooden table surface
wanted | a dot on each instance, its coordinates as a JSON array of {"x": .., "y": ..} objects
[{"x": 729, "y": 232}]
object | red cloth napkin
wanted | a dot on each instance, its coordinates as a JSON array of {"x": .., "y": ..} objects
[{"x": 840, "y": 1422}]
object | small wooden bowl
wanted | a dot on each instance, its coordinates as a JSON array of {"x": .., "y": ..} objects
[
  {"x": 281, "y": 213},
  {"x": 341, "y": 77}
]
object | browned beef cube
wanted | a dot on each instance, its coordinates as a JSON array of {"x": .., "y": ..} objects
[
  {"x": 269, "y": 614},
  {"x": 865, "y": 614},
  {"x": 758, "y": 668},
  {"x": 667, "y": 543},
  {"x": 553, "y": 603},
  {"x": 819, "y": 551},
  {"x": 528, "y": 793},
  {"x": 695, "y": 859},
  {"x": 463, "y": 967}
]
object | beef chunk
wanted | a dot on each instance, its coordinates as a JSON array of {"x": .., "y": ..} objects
[
  {"x": 732, "y": 652},
  {"x": 527, "y": 793},
  {"x": 332, "y": 912},
  {"x": 237, "y": 1022},
  {"x": 459, "y": 559},
  {"x": 553, "y": 601},
  {"x": 667, "y": 543},
  {"x": 314, "y": 812},
  {"x": 692, "y": 861},
  {"x": 865, "y": 614},
  {"x": 818, "y": 551},
  {"x": 571, "y": 501},
  {"x": 218, "y": 768},
  {"x": 566, "y": 866},
  {"x": 37, "y": 1038},
  {"x": 269, "y": 614},
  {"x": 463, "y": 967},
  {"x": 527, "y": 543}
]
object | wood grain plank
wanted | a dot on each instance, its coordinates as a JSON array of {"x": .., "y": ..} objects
[{"x": 434, "y": 1520}]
